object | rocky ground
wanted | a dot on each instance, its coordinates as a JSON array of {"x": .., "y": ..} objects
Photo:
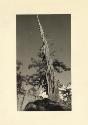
[
  {"x": 35, "y": 99},
  {"x": 45, "y": 105}
]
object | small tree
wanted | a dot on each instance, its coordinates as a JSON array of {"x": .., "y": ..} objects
[
  {"x": 19, "y": 76},
  {"x": 65, "y": 92},
  {"x": 20, "y": 91}
]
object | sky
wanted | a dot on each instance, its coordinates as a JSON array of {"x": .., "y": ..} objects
[{"x": 57, "y": 27}]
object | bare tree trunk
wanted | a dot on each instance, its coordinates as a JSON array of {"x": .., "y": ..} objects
[
  {"x": 52, "y": 87},
  {"x": 21, "y": 106}
]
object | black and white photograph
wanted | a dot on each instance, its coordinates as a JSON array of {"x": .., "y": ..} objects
[
  {"x": 44, "y": 70},
  {"x": 43, "y": 62}
]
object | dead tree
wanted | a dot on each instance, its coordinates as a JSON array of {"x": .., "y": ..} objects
[{"x": 53, "y": 91}]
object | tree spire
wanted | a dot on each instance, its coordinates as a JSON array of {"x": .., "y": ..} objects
[{"x": 50, "y": 70}]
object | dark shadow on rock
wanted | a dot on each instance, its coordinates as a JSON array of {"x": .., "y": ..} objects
[{"x": 43, "y": 105}]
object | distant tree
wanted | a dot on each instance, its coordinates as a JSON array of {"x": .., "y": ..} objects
[
  {"x": 20, "y": 79},
  {"x": 18, "y": 65},
  {"x": 65, "y": 91}
]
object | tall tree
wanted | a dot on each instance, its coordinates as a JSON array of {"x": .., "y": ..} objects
[{"x": 46, "y": 68}]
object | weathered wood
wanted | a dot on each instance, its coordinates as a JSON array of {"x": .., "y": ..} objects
[{"x": 53, "y": 91}]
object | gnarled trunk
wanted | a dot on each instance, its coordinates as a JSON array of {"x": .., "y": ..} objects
[{"x": 53, "y": 91}]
